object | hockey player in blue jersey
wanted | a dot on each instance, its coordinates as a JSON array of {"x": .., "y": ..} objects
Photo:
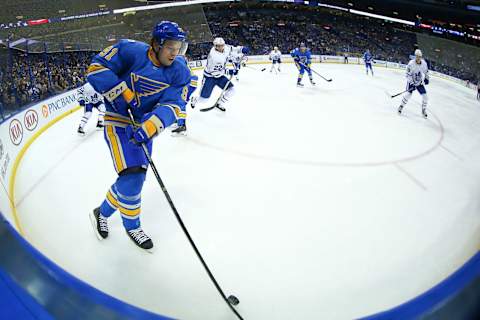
[
  {"x": 368, "y": 59},
  {"x": 153, "y": 82},
  {"x": 303, "y": 59}
]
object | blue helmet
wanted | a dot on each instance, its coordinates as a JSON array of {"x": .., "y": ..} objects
[{"x": 167, "y": 30}]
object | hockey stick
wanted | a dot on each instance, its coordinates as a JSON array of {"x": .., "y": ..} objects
[
  {"x": 231, "y": 300},
  {"x": 220, "y": 97},
  {"x": 263, "y": 69},
  {"x": 396, "y": 95},
  {"x": 318, "y": 74}
]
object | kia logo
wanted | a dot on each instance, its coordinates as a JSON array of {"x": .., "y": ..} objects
[
  {"x": 16, "y": 132},
  {"x": 30, "y": 120}
]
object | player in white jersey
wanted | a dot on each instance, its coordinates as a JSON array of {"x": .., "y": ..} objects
[
  {"x": 417, "y": 77},
  {"x": 237, "y": 59},
  {"x": 88, "y": 98},
  {"x": 214, "y": 73},
  {"x": 276, "y": 57}
]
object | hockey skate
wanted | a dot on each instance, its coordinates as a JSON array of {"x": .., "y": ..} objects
[
  {"x": 312, "y": 82},
  {"x": 179, "y": 131},
  {"x": 100, "y": 125},
  {"x": 424, "y": 113},
  {"x": 80, "y": 131},
  {"x": 99, "y": 223},
  {"x": 140, "y": 239},
  {"x": 299, "y": 84},
  {"x": 400, "y": 110}
]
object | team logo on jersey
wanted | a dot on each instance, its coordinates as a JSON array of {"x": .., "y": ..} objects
[{"x": 144, "y": 87}]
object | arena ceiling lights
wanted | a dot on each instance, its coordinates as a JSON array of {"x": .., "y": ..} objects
[
  {"x": 167, "y": 5},
  {"x": 378, "y": 16},
  {"x": 186, "y": 3}
]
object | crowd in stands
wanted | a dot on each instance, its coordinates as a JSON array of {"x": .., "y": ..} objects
[
  {"x": 29, "y": 78},
  {"x": 329, "y": 33},
  {"x": 324, "y": 33}
]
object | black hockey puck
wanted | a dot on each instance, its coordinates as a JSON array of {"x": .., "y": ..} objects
[{"x": 233, "y": 300}]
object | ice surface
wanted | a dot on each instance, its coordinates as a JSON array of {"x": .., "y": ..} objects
[{"x": 307, "y": 203}]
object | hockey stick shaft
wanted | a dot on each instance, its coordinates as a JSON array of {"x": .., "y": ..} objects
[
  {"x": 220, "y": 97},
  {"x": 263, "y": 69},
  {"x": 318, "y": 74},
  {"x": 396, "y": 95},
  {"x": 180, "y": 221}
]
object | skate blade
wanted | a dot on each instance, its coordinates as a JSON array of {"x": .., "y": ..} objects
[
  {"x": 178, "y": 135},
  {"x": 149, "y": 251},
  {"x": 94, "y": 225}
]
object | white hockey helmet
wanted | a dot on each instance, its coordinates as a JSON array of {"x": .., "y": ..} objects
[
  {"x": 418, "y": 53},
  {"x": 275, "y": 48},
  {"x": 218, "y": 42}
]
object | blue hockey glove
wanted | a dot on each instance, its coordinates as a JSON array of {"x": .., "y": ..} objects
[
  {"x": 245, "y": 50},
  {"x": 124, "y": 101},
  {"x": 144, "y": 133},
  {"x": 427, "y": 81}
]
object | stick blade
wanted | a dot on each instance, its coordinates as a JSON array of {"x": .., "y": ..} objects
[
  {"x": 387, "y": 93},
  {"x": 207, "y": 109}
]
